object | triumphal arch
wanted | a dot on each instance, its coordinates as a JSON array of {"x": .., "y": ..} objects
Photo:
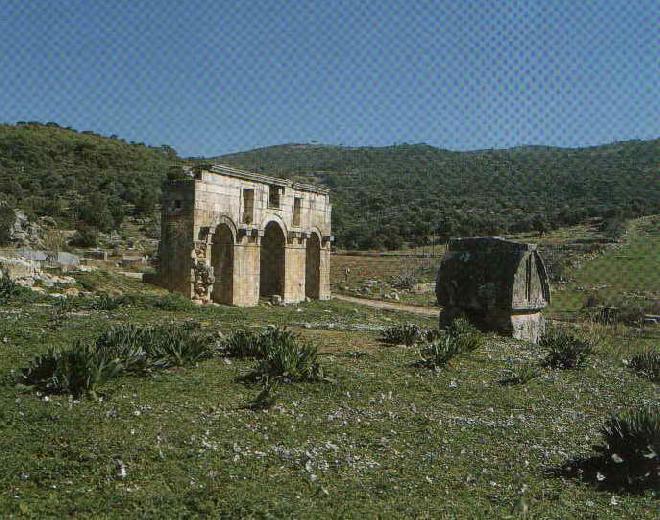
[{"x": 232, "y": 236}]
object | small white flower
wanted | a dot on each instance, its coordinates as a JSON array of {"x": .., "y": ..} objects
[
  {"x": 600, "y": 477},
  {"x": 614, "y": 501}
]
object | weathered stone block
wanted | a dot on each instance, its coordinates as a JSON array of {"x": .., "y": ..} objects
[{"x": 497, "y": 284}]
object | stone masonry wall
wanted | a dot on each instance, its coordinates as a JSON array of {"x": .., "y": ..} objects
[{"x": 215, "y": 202}]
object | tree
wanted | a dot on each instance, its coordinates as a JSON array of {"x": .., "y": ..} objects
[
  {"x": 85, "y": 236},
  {"x": 7, "y": 220}
]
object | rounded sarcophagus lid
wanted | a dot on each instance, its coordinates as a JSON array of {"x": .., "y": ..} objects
[{"x": 488, "y": 273}]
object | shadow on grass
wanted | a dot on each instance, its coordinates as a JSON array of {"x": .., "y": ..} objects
[{"x": 604, "y": 474}]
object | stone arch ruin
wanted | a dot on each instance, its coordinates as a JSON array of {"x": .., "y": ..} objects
[
  {"x": 272, "y": 262},
  {"x": 312, "y": 266},
  {"x": 222, "y": 262},
  {"x": 232, "y": 236}
]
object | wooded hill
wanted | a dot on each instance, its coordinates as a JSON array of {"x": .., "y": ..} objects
[
  {"x": 408, "y": 193},
  {"x": 383, "y": 197},
  {"x": 80, "y": 178}
]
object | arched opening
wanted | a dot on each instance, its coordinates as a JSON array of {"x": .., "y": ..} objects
[
  {"x": 222, "y": 260},
  {"x": 271, "y": 275},
  {"x": 313, "y": 267}
]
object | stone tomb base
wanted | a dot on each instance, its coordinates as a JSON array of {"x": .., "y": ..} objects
[{"x": 524, "y": 326}]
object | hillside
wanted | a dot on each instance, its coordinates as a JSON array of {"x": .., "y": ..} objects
[
  {"x": 79, "y": 177},
  {"x": 383, "y": 197},
  {"x": 387, "y": 196}
]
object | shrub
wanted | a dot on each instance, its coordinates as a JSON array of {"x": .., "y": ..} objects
[
  {"x": 290, "y": 360},
  {"x": 11, "y": 291},
  {"x": 76, "y": 371},
  {"x": 142, "y": 348},
  {"x": 243, "y": 343},
  {"x": 625, "y": 309},
  {"x": 60, "y": 312},
  {"x": 121, "y": 349},
  {"x": 520, "y": 375},
  {"x": 171, "y": 302},
  {"x": 7, "y": 220},
  {"x": 179, "y": 346},
  {"x": 632, "y": 446},
  {"x": 440, "y": 352},
  {"x": 107, "y": 302},
  {"x": 406, "y": 334},
  {"x": 460, "y": 337},
  {"x": 565, "y": 349},
  {"x": 467, "y": 335},
  {"x": 647, "y": 364},
  {"x": 85, "y": 236},
  {"x": 406, "y": 279},
  {"x": 282, "y": 355}
]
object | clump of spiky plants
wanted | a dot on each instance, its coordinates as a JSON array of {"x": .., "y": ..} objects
[
  {"x": 565, "y": 349},
  {"x": 266, "y": 398},
  {"x": 647, "y": 364},
  {"x": 243, "y": 343},
  {"x": 122, "y": 349},
  {"x": 460, "y": 337},
  {"x": 467, "y": 335},
  {"x": 631, "y": 449},
  {"x": 404, "y": 334},
  {"x": 440, "y": 352},
  {"x": 520, "y": 375},
  {"x": 145, "y": 348},
  {"x": 285, "y": 357},
  {"x": 282, "y": 357},
  {"x": 108, "y": 302},
  {"x": 76, "y": 371}
]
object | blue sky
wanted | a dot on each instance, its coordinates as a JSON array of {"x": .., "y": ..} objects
[{"x": 211, "y": 77}]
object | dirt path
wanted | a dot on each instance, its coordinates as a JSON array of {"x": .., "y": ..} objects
[{"x": 390, "y": 306}]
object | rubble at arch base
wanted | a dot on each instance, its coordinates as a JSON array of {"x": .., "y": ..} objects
[
  {"x": 230, "y": 236},
  {"x": 498, "y": 284}
]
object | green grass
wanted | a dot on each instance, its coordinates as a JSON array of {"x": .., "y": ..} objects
[
  {"x": 625, "y": 270},
  {"x": 383, "y": 438},
  {"x": 379, "y": 437}
]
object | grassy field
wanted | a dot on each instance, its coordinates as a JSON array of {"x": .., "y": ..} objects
[
  {"x": 375, "y": 277},
  {"x": 380, "y": 438},
  {"x": 629, "y": 270}
]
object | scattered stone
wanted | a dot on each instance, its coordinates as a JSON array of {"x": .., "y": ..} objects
[
  {"x": 423, "y": 288},
  {"x": 96, "y": 254},
  {"x": 132, "y": 261},
  {"x": 19, "y": 269}
]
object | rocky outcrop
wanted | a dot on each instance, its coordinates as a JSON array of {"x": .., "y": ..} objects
[{"x": 24, "y": 233}]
